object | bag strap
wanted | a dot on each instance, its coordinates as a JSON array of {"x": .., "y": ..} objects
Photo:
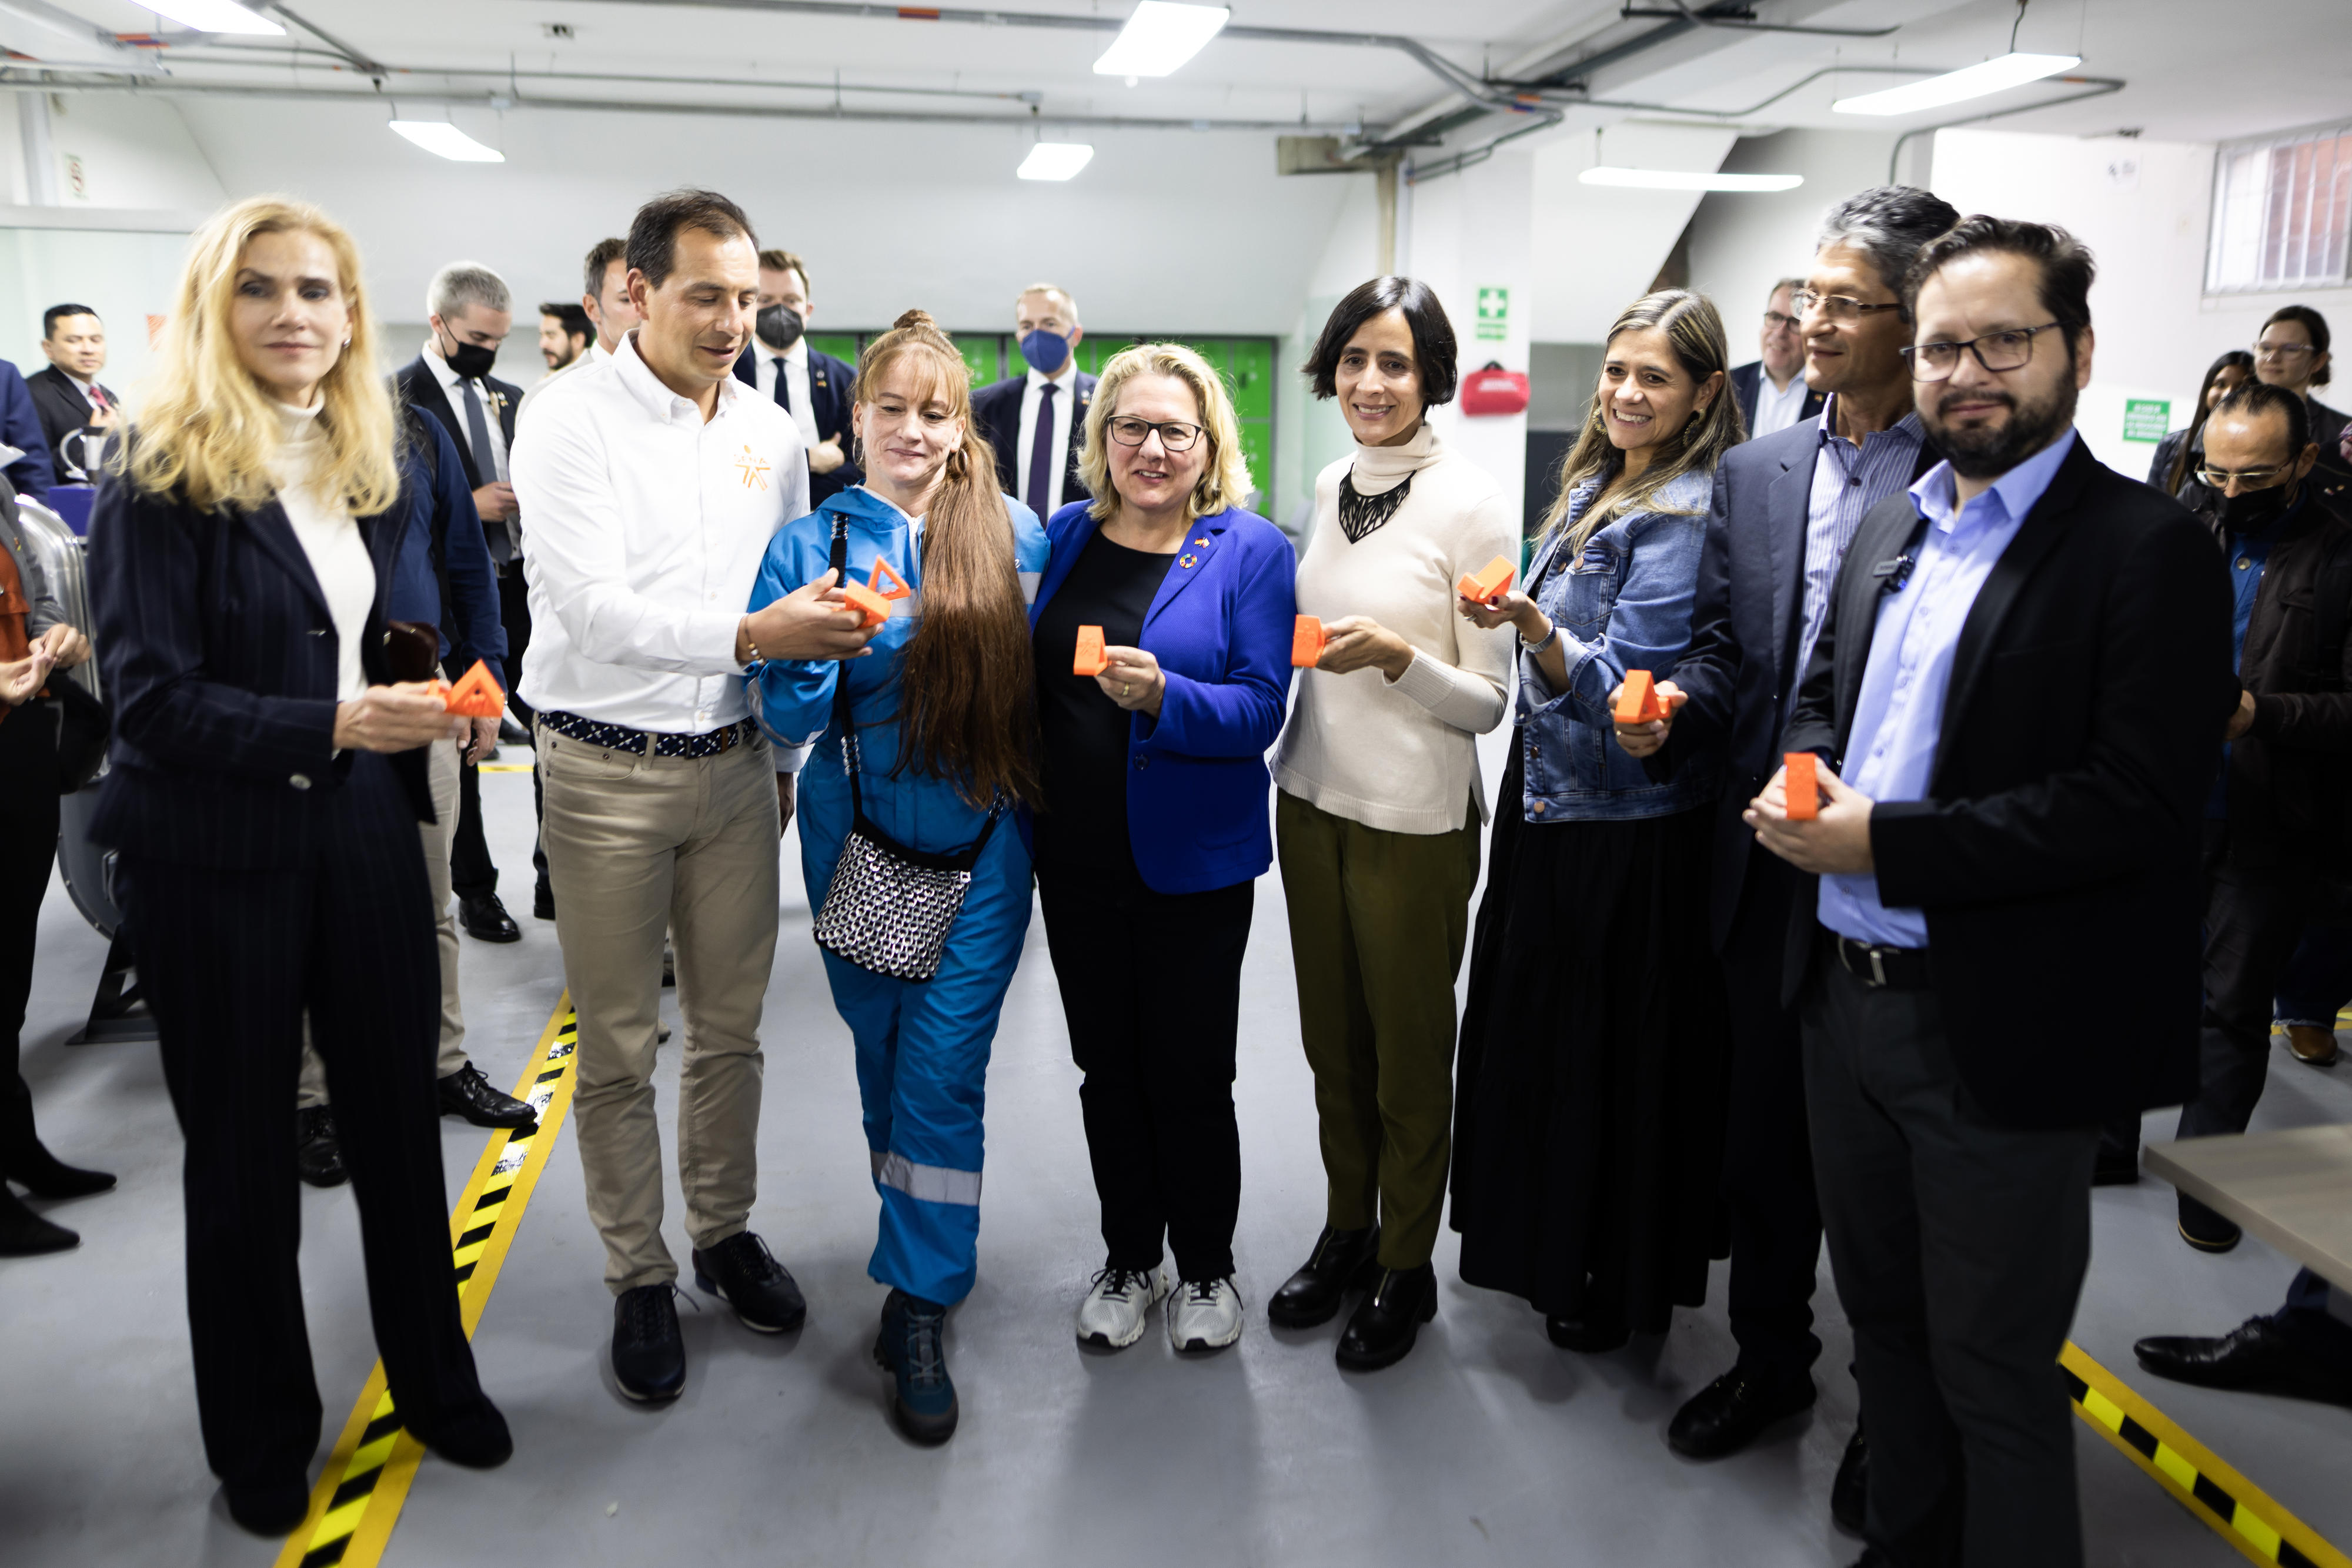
[{"x": 842, "y": 717}]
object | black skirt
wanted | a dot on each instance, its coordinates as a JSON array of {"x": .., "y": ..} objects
[{"x": 1589, "y": 1100}]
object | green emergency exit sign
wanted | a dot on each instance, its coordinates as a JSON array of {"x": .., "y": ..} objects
[
  {"x": 2147, "y": 418},
  {"x": 1493, "y": 314}
]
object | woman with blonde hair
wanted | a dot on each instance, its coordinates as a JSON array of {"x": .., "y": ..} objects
[
  {"x": 1588, "y": 1129},
  {"x": 1154, "y": 826},
  {"x": 265, "y": 794},
  {"x": 919, "y": 887}
]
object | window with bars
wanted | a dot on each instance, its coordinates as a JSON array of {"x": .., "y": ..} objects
[{"x": 2282, "y": 212}]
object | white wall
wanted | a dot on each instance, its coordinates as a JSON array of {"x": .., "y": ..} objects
[
  {"x": 1471, "y": 231},
  {"x": 124, "y": 277},
  {"x": 1596, "y": 248},
  {"x": 2143, "y": 208},
  {"x": 1310, "y": 433}
]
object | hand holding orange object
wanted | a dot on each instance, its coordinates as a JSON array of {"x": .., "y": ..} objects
[
  {"x": 863, "y": 599},
  {"x": 1803, "y": 786},
  {"x": 1637, "y": 700},
  {"x": 1485, "y": 585},
  {"x": 1090, "y": 659},
  {"x": 1306, "y": 643}
]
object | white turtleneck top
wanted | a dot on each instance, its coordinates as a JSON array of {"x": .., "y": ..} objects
[
  {"x": 329, "y": 537},
  {"x": 1399, "y": 755}
]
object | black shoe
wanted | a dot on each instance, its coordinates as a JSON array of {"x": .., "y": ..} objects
[
  {"x": 318, "y": 1155},
  {"x": 543, "y": 903},
  {"x": 1592, "y": 1335},
  {"x": 912, "y": 1347},
  {"x": 272, "y": 1511},
  {"x": 670, "y": 966},
  {"x": 1850, "y": 1494},
  {"x": 24, "y": 1161},
  {"x": 466, "y": 1093},
  {"x": 649, "y": 1356},
  {"x": 1342, "y": 1260},
  {"x": 2116, "y": 1170},
  {"x": 486, "y": 920},
  {"x": 475, "y": 1437},
  {"x": 2258, "y": 1356},
  {"x": 2204, "y": 1230},
  {"x": 1731, "y": 1412},
  {"x": 510, "y": 733},
  {"x": 23, "y": 1234},
  {"x": 743, "y": 1273},
  {"x": 1380, "y": 1330}
]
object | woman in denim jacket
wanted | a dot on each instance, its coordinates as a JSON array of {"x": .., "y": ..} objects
[{"x": 1589, "y": 1119}]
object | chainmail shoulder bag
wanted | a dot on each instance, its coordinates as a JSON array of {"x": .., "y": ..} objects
[{"x": 888, "y": 908}]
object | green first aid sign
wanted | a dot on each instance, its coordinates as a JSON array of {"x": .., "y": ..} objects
[
  {"x": 1494, "y": 313},
  {"x": 2147, "y": 418}
]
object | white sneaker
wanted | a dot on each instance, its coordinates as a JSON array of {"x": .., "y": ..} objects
[
  {"x": 1113, "y": 1313},
  {"x": 1204, "y": 1314}
]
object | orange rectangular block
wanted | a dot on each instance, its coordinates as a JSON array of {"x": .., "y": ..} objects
[
  {"x": 875, "y": 609},
  {"x": 1486, "y": 584},
  {"x": 1637, "y": 700},
  {"x": 1307, "y": 642},
  {"x": 1805, "y": 786},
  {"x": 1090, "y": 660}
]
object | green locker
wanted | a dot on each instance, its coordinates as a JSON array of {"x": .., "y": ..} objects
[
  {"x": 1251, "y": 376},
  {"x": 840, "y": 345}
]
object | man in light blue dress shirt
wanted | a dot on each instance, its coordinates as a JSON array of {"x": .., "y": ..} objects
[{"x": 2014, "y": 701}]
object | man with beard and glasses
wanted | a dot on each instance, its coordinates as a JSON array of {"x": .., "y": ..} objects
[
  {"x": 2013, "y": 707},
  {"x": 805, "y": 383}
]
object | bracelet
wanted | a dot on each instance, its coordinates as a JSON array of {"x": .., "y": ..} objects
[
  {"x": 744, "y": 626},
  {"x": 1550, "y": 637}
]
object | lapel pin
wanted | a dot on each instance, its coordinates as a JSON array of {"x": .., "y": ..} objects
[{"x": 1186, "y": 562}]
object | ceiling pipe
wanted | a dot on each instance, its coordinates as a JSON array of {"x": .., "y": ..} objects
[
  {"x": 1742, "y": 19},
  {"x": 509, "y": 74}
]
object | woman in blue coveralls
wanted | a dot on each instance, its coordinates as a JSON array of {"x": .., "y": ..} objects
[{"x": 946, "y": 737}]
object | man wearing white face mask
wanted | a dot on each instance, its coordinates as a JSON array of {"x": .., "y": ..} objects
[{"x": 1037, "y": 421}]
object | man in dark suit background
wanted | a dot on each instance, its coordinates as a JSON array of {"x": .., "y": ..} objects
[
  {"x": 1786, "y": 507},
  {"x": 813, "y": 387},
  {"x": 1036, "y": 421},
  {"x": 2015, "y": 704},
  {"x": 468, "y": 310},
  {"x": 75, "y": 411},
  {"x": 1772, "y": 390}
]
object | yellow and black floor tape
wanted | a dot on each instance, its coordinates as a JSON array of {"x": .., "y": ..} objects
[
  {"x": 366, "y": 1480},
  {"x": 2243, "y": 1515}
]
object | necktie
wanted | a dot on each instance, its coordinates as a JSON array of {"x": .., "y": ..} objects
[
  {"x": 98, "y": 397},
  {"x": 477, "y": 436},
  {"x": 1041, "y": 451},
  {"x": 783, "y": 385}
]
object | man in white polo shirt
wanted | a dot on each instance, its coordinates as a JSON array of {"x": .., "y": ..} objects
[{"x": 653, "y": 480}]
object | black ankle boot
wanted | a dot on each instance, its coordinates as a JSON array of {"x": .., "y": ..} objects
[
  {"x": 23, "y": 1234},
  {"x": 1382, "y": 1329},
  {"x": 23, "y": 1160},
  {"x": 1342, "y": 1261}
]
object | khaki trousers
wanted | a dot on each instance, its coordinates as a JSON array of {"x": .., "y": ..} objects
[
  {"x": 636, "y": 845},
  {"x": 441, "y": 772},
  {"x": 1378, "y": 920}
]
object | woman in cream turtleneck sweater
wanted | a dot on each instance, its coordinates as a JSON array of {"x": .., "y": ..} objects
[{"x": 1378, "y": 808}]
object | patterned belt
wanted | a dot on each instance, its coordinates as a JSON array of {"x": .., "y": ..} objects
[{"x": 647, "y": 742}]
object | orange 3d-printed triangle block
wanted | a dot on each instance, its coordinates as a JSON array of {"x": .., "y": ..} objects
[
  {"x": 1485, "y": 585},
  {"x": 1803, "y": 785},
  {"x": 872, "y": 605},
  {"x": 1091, "y": 660},
  {"x": 1307, "y": 640},
  {"x": 475, "y": 695},
  {"x": 899, "y": 589},
  {"x": 1637, "y": 700}
]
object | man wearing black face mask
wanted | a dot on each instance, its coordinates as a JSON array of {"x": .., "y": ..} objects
[
  {"x": 812, "y": 386},
  {"x": 2275, "y": 830},
  {"x": 468, "y": 310}
]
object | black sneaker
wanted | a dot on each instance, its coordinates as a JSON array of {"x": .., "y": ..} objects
[
  {"x": 648, "y": 1355},
  {"x": 743, "y": 1273},
  {"x": 318, "y": 1155},
  {"x": 912, "y": 1346},
  {"x": 466, "y": 1093}
]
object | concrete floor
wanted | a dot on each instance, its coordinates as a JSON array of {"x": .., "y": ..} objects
[{"x": 1487, "y": 1445}]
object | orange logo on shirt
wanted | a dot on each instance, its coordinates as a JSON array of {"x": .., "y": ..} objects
[{"x": 754, "y": 471}]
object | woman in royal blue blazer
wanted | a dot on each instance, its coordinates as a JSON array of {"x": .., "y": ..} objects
[{"x": 1153, "y": 827}]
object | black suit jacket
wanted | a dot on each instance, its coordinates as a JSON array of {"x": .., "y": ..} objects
[
  {"x": 831, "y": 381},
  {"x": 218, "y": 655},
  {"x": 1739, "y": 671},
  {"x": 1745, "y": 382},
  {"x": 63, "y": 410},
  {"x": 997, "y": 410},
  {"x": 420, "y": 388},
  {"x": 2057, "y": 853}
]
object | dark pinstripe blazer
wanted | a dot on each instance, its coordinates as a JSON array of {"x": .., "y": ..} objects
[{"x": 218, "y": 655}]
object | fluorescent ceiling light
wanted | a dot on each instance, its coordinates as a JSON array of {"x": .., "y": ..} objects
[
  {"x": 1055, "y": 160},
  {"x": 1970, "y": 81},
  {"x": 1686, "y": 179},
  {"x": 214, "y": 16},
  {"x": 1159, "y": 37},
  {"x": 440, "y": 136}
]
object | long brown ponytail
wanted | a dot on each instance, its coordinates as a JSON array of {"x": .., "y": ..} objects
[{"x": 967, "y": 710}]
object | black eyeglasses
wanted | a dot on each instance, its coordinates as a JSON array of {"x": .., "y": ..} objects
[
  {"x": 1837, "y": 307},
  {"x": 2006, "y": 351},
  {"x": 1774, "y": 320},
  {"x": 1174, "y": 434}
]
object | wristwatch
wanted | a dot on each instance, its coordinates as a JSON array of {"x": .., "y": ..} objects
[{"x": 1550, "y": 637}]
